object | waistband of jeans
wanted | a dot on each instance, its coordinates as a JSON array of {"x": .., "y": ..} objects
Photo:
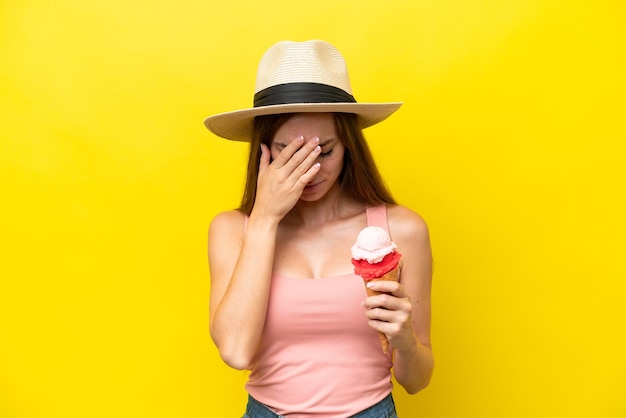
[{"x": 387, "y": 401}]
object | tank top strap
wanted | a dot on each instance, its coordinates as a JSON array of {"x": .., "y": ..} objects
[{"x": 377, "y": 216}]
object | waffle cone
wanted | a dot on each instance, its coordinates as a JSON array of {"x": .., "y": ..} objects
[{"x": 391, "y": 276}]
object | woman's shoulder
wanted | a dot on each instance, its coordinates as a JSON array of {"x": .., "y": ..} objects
[
  {"x": 228, "y": 223},
  {"x": 406, "y": 223},
  {"x": 233, "y": 215}
]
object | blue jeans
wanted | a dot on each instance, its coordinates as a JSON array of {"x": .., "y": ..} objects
[{"x": 383, "y": 409}]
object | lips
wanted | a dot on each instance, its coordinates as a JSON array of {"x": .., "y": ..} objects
[{"x": 312, "y": 188}]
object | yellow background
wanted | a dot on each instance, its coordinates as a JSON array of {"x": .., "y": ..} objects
[{"x": 510, "y": 144}]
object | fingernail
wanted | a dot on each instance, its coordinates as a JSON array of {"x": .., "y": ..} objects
[
  {"x": 316, "y": 140},
  {"x": 316, "y": 165},
  {"x": 370, "y": 284}
]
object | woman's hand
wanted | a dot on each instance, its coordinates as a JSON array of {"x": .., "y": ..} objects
[
  {"x": 281, "y": 182},
  {"x": 390, "y": 313}
]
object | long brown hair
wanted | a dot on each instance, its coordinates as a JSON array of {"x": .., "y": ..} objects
[{"x": 359, "y": 178}]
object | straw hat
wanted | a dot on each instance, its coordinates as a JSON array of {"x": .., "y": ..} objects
[{"x": 295, "y": 77}]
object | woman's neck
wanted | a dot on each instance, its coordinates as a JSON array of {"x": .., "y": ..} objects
[{"x": 331, "y": 207}]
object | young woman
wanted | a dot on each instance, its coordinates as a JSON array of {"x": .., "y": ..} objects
[{"x": 285, "y": 302}]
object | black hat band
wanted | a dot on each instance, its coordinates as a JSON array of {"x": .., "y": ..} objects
[{"x": 292, "y": 93}]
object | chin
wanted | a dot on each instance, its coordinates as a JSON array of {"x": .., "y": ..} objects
[{"x": 310, "y": 197}]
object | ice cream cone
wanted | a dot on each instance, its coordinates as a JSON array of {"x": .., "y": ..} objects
[
  {"x": 374, "y": 257},
  {"x": 391, "y": 276}
]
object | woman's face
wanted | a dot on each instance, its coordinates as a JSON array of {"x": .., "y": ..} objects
[{"x": 310, "y": 125}]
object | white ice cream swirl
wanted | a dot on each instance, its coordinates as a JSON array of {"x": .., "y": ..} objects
[{"x": 372, "y": 244}]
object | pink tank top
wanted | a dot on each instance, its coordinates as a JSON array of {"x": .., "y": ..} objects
[{"x": 318, "y": 357}]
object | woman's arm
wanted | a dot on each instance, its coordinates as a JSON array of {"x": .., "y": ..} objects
[
  {"x": 240, "y": 268},
  {"x": 241, "y": 263},
  {"x": 405, "y": 316}
]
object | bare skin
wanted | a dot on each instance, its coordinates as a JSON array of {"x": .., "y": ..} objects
[{"x": 298, "y": 211}]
